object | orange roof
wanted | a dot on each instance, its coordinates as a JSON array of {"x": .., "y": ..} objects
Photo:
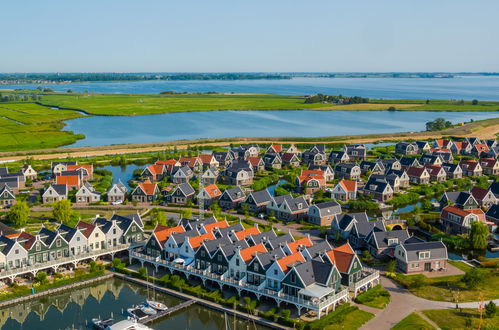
[
  {"x": 162, "y": 233},
  {"x": 248, "y": 253},
  {"x": 307, "y": 178},
  {"x": 481, "y": 147},
  {"x": 69, "y": 180},
  {"x": 459, "y": 144},
  {"x": 197, "y": 240},
  {"x": 218, "y": 224},
  {"x": 169, "y": 163},
  {"x": 148, "y": 187},
  {"x": 288, "y": 260},
  {"x": 206, "y": 158},
  {"x": 463, "y": 213},
  {"x": 88, "y": 168},
  {"x": 188, "y": 161},
  {"x": 432, "y": 150},
  {"x": 254, "y": 161},
  {"x": 312, "y": 172},
  {"x": 348, "y": 185},
  {"x": 213, "y": 191},
  {"x": 247, "y": 232},
  {"x": 277, "y": 147},
  {"x": 342, "y": 257},
  {"x": 305, "y": 241},
  {"x": 156, "y": 169}
]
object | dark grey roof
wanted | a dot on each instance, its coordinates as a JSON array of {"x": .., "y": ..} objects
[
  {"x": 5, "y": 187},
  {"x": 60, "y": 189},
  {"x": 336, "y": 154},
  {"x": 332, "y": 207},
  {"x": 318, "y": 248},
  {"x": 4, "y": 170},
  {"x": 67, "y": 232},
  {"x": 429, "y": 159},
  {"x": 408, "y": 161},
  {"x": 376, "y": 185},
  {"x": 186, "y": 189},
  {"x": 266, "y": 259},
  {"x": 261, "y": 196},
  {"x": 234, "y": 193},
  {"x": 185, "y": 169},
  {"x": 367, "y": 165},
  {"x": 383, "y": 236},
  {"x": 348, "y": 166},
  {"x": 65, "y": 163},
  {"x": 365, "y": 228},
  {"x": 180, "y": 237},
  {"x": 132, "y": 216},
  {"x": 297, "y": 204},
  {"x": 421, "y": 144},
  {"x": 493, "y": 212},
  {"x": 437, "y": 249},
  {"x": 224, "y": 232},
  {"x": 494, "y": 187},
  {"x": 12, "y": 182},
  {"x": 67, "y": 173},
  {"x": 104, "y": 224},
  {"x": 449, "y": 167},
  {"x": 270, "y": 158},
  {"x": 280, "y": 240},
  {"x": 212, "y": 245},
  {"x": 6, "y": 244},
  {"x": 314, "y": 272},
  {"x": 6, "y": 230},
  {"x": 47, "y": 236},
  {"x": 262, "y": 237},
  {"x": 279, "y": 199},
  {"x": 231, "y": 248},
  {"x": 345, "y": 219}
]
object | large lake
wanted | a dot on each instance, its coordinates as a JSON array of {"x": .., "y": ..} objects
[
  {"x": 469, "y": 87},
  {"x": 103, "y": 130}
]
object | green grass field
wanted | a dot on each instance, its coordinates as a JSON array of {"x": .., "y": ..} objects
[
  {"x": 413, "y": 322},
  {"x": 25, "y": 126},
  {"x": 457, "y": 319},
  {"x": 126, "y": 104}
]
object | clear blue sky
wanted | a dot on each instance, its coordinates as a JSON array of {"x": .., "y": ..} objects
[{"x": 252, "y": 35}]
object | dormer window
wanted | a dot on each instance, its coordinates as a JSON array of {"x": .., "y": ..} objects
[
  {"x": 58, "y": 243},
  {"x": 393, "y": 241},
  {"x": 424, "y": 255}
]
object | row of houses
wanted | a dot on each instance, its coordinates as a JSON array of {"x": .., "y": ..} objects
[
  {"x": 469, "y": 146},
  {"x": 22, "y": 249},
  {"x": 264, "y": 260}
]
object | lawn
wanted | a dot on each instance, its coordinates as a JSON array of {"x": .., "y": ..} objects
[
  {"x": 352, "y": 320},
  {"x": 448, "y": 288},
  {"x": 344, "y": 317},
  {"x": 465, "y": 319},
  {"x": 413, "y": 322},
  {"x": 376, "y": 297}
]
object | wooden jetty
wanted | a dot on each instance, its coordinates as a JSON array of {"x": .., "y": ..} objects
[{"x": 161, "y": 314}]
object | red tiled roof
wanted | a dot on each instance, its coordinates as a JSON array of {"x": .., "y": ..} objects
[
  {"x": 28, "y": 238},
  {"x": 162, "y": 233},
  {"x": 213, "y": 191},
  {"x": 205, "y": 158},
  {"x": 470, "y": 165},
  {"x": 88, "y": 168},
  {"x": 277, "y": 147},
  {"x": 462, "y": 213},
  {"x": 488, "y": 162},
  {"x": 254, "y": 161},
  {"x": 305, "y": 241},
  {"x": 342, "y": 257},
  {"x": 433, "y": 150},
  {"x": 481, "y": 147},
  {"x": 69, "y": 180},
  {"x": 309, "y": 177},
  {"x": 247, "y": 232},
  {"x": 415, "y": 171},
  {"x": 286, "y": 157},
  {"x": 88, "y": 228},
  {"x": 433, "y": 169},
  {"x": 189, "y": 161},
  {"x": 170, "y": 163},
  {"x": 288, "y": 260},
  {"x": 348, "y": 185},
  {"x": 479, "y": 193},
  {"x": 156, "y": 169},
  {"x": 248, "y": 253}
]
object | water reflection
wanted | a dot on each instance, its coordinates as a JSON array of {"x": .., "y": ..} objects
[{"x": 109, "y": 298}]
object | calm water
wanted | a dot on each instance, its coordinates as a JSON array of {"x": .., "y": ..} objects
[
  {"x": 110, "y": 297},
  {"x": 123, "y": 173},
  {"x": 100, "y": 130},
  {"x": 479, "y": 87}
]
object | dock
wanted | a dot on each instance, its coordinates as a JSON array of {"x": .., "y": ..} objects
[{"x": 167, "y": 312}]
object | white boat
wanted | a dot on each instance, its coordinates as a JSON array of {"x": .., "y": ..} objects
[
  {"x": 156, "y": 305},
  {"x": 128, "y": 325},
  {"x": 148, "y": 310}
]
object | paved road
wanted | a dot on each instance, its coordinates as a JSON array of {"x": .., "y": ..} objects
[{"x": 403, "y": 303}]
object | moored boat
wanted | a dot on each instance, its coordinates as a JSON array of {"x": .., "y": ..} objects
[
  {"x": 156, "y": 305},
  {"x": 101, "y": 324},
  {"x": 128, "y": 325}
]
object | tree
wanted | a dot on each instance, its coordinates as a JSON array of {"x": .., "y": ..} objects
[
  {"x": 215, "y": 208},
  {"x": 62, "y": 211},
  {"x": 474, "y": 102},
  {"x": 19, "y": 214},
  {"x": 41, "y": 277},
  {"x": 187, "y": 213},
  {"x": 117, "y": 263},
  {"x": 392, "y": 108},
  {"x": 158, "y": 217},
  {"x": 286, "y": 313},
  {"x": 473, "y": 278},
  {"x": 93, "y": 266},
  {"x": 427, "y": 205},
  {"x": 438, "y": 124},
  {"x": 490, "y": 309},
  {"x": 478, "y": 235}
]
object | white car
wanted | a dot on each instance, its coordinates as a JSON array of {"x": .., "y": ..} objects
[{"x": 119, "y": 202}]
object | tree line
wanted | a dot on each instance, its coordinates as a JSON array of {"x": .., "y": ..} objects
[{"x": 338, "y": 99}]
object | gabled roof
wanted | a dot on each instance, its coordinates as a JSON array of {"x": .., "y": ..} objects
[
  {"x": 318, "y": 248},
  {"x": 416, "y": 171},
  {"x": 70, "y": 180},
  {"x": 313, "y": 271},
  {"x": 280, "y": 240},
  {"x": 248, "y": 253},
  {"x": 328, "y": 208},
  {"x": 302, "y": 242},
  {"x": 254, "y": 161},
  {"x": 344, "y": 220},
  {"x": 247, "y": 232},
  {"x": 462, "y": 213},
  {"x": 213, "y": 191},
  {"x": 261, "y": 196},
  {"x": 263, "y": 237},
  {"x": 162, "y": 233},
  {"x": 493, "y": 212},
  {"x": 381, "y": 237},
  {"x": 218, "y": 224},
  {"x": 479, "y": 193},
  {"x": 348, "y": 185},
  {"x": 342, "y": 256},
  {"x": 437, "y": 249},
  {"x": 206, "y": 158},
  {"x": 266, "y": 259},
  {"x": 488, "y": 162},
  {"x": 289, "y": 261},
  {"x": 86, "y": 228},
  {"x": 155, "y": 169},
  {"x": 196, "y": 241},
  {"x": 234, "y": 193},
  {"x": 287, "y": 157},
  {"x": 148, "y": 188}
]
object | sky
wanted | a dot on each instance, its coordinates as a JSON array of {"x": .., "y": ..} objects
[{"x": 249, "y": 36}]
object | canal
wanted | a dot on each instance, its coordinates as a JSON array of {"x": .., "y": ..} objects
[{"x": 108, "y": 298}]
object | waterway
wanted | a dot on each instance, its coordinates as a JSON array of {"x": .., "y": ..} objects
[
  {"x": 122, "y": 173},
  {"x": 104, "y": 130},
  {"x": 75, "y": 309},
  {"x": 469, "y": 87}
]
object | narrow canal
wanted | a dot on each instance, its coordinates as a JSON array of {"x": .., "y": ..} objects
[{"x": 109, "y": 298}]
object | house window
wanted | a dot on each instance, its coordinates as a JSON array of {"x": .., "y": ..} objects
[
  {"x": 275, "y": 271},
  {"x": 17, "y": 251},
  {"x": 237, "y": 262},
  {"x": 134, "y": 228},
  {"x": 38, "y": 247},
  {"x": 293, "y": 278},
  {"x": 392, "y": 241},
  {"x": 77, "y": 239},
  {"x": 58, "y": 243},
  {"x": 203, "y": 253},
  {"x": 257, "y": 267},
  {"x": 219, "y": 257},
  {"x": 424, "y": 255}
]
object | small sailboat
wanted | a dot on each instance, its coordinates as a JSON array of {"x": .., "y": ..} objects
[
  {"x": 147, "y": 310},
  {"x": 156, "y": 305},
  {"x": 151, "y": 302},
  {"x": 101, "y": 324}
]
